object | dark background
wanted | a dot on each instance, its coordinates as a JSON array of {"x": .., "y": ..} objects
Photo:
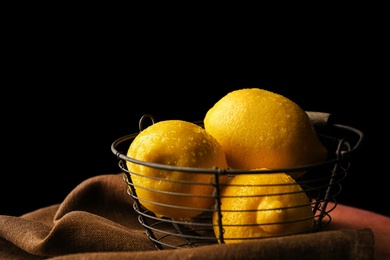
[{"x": 71, "y": 93}]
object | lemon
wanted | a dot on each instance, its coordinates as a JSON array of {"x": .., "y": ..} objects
[
  {"x": 258, "y": 128},
  {"x": 256, "y": 206},
  {"x": 175, "y": 143}
]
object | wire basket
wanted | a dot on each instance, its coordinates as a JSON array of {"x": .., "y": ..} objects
[{"x": 321, "y": 183}]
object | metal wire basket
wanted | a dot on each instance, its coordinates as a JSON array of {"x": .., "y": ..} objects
[{"x": 321, "y": 183}]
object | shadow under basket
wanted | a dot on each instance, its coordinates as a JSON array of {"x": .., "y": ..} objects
[{"x": 321, "y": 183}]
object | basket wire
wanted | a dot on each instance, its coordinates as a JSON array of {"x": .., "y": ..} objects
[{"x": 321, "y": 183}]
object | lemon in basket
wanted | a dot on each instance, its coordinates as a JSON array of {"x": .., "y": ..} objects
[
  {"x": 175, "y": 143},
  {"x": 255, "y": 206},
  {"x": 261, "y": 129}
]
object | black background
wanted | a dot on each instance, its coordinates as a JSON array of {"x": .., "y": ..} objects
[{"x": 70, "y": 95}]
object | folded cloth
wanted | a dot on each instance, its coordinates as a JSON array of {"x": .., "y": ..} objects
[{"x": 97, "y": 221}]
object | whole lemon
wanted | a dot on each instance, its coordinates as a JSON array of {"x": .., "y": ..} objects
[
  {"x": 255, "y": 206},
  {"x": 177, "y": 143},
  {"x": 258, "y": 128}
]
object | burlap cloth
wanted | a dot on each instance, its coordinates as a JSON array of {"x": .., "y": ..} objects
[{"x": 96, "y": 221}]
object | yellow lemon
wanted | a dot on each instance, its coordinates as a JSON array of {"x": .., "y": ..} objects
[
  {"x": 258, "y": 128},
  {"x": 255, "y": 206},
  {"x": 176, "y": 143}
]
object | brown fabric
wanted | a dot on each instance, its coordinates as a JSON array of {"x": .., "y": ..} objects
[
  {"x": 344, "y": 245},
  {"x": 97, "y": 221}
]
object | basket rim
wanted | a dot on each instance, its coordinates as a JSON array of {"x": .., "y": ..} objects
[{"x": 342, "y": 156}]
